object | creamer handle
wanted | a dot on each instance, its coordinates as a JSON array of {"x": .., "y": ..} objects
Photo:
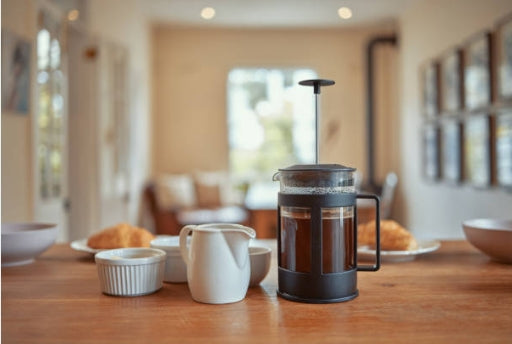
[{"x": 183, "y": 242}]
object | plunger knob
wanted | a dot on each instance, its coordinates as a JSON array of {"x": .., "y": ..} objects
[{"x": 316, "y": 83}]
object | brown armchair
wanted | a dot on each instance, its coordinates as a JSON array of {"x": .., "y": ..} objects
[
  {"x": 165, "y": 222},
  {"x": 170, "y": 221}
]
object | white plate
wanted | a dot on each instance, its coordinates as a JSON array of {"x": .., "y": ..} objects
[
  {"x": 424, "y": 246},
  {"x": 81, "y": 245}
]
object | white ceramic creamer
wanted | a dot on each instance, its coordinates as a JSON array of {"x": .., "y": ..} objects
[{"x": 218, "y": 265}]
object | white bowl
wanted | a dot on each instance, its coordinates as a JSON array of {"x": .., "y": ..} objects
[
  {"x": 175, "y": 267},
  {"x": 260, "y": 263},
  {"x": 491, "y": 236},
  {"x": 23, "y": 242},
  {"x": 130, "y": 271}
]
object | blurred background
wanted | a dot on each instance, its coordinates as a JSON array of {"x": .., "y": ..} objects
[{"x": 164, "y": 112}]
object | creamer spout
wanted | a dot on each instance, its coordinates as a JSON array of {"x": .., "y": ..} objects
[{"x": 238, "y": 239}]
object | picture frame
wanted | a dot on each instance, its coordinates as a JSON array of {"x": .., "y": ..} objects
[
  {"x": 477, "y": 72},
  {"x": 504, "y": 59},
  {"x": 477, "y": 150},
  {"x": 430, "y": 89},
  {"x": 503, "y": 141},
  {"x": 451, "y": 152},
  {"x": 452, "y": 72},
  {"x": 431, "y": 156},
  {"x": 16, "y": 56}
]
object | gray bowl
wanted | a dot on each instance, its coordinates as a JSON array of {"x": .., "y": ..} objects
[
  {"x": 260, "y": 257},
  {"x": 23, "y": 242},
  {"x": 491, "y": 236}
]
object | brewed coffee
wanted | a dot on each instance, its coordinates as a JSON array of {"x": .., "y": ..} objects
[{"x": 337, "y": 239}]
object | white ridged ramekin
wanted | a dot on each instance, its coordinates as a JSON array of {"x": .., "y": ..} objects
[{"x": 130, "y": 271}]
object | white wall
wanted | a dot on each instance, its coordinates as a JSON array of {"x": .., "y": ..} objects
[
  {"x": 16, "y": 129},
  {"x": 190, "y": 69},
  {"x": 428, "y": 29}
]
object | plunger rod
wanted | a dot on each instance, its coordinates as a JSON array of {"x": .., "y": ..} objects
[
  {"x": 316, "y": 83},
  {"x": 317, "y": 129}
]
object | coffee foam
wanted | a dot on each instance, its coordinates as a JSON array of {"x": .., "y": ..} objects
[{"x": 317, "y": 190}]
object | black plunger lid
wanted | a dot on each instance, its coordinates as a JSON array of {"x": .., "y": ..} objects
[
  {"x": 319, "y": 167},
  {"x": 316, "y": 83},
  {"x": 316, "y": 176}
]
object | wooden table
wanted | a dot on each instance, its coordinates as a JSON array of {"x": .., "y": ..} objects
[{"x": 454, "y": 295}]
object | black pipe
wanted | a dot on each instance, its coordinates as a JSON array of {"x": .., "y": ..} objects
[{"x": 370, "y": 184}]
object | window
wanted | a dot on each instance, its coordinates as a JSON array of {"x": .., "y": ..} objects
[{"x": 271, "y": 121}]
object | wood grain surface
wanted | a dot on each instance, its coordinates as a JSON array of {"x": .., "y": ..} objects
[{"x": 454, "y": 295}]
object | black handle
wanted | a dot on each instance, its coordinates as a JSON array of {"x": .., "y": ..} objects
[{"x": 376, "y": 266}]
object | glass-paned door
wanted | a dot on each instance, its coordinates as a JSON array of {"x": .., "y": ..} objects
[{"x": 50, "y": 122}]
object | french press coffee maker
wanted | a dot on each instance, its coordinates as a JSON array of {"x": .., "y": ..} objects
[{"x": 317, "y": 229}]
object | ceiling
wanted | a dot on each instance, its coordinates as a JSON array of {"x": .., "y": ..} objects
[{"x": 274, "y": 13}]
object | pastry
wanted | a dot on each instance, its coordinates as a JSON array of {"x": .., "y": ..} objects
[
  {"x": 393, "y": 237},
  {"x": 121, "y": 235}
]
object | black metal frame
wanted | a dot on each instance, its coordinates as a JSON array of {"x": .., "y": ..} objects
[{"x": 315, "y": 286}]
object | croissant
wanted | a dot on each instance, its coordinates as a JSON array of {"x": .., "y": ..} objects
[
  {"x": 119, "y": 236},
  {"x": 393, "y": 237}
]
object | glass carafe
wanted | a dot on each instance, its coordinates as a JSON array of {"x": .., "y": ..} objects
[{"x": 317, "y": 239}]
